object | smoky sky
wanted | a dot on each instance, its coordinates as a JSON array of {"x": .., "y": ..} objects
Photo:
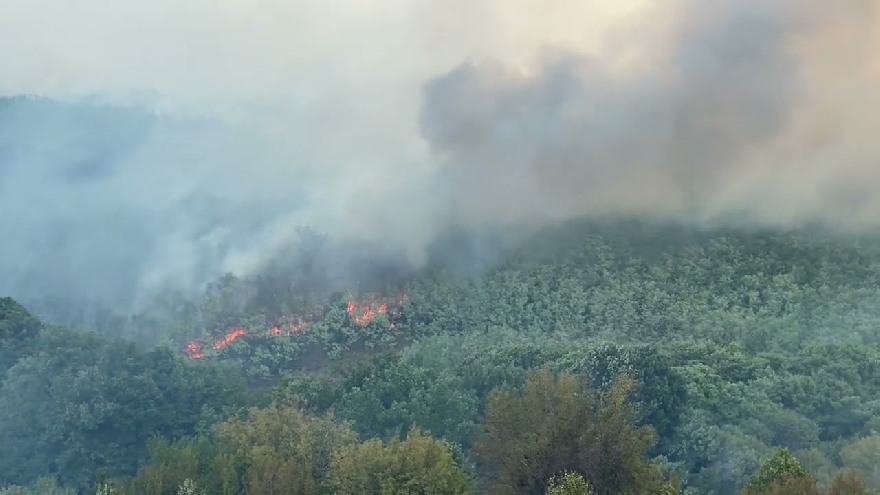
[
  {"x": 726, "y": 117},
  {"x": 164, "y": 145}
]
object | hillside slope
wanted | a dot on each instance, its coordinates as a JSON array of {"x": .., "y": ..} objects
[{"x": 740, "y": 342}]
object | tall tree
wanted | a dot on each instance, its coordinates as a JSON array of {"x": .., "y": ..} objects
[
  {"x": 419, "y": 464},
  {"x": 559, "y": 424},
  {"x": 18, "y": 331},
  {"x": 782, "y": 474}
]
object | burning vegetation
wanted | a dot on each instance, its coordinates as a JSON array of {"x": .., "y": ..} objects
[{"x": 361, "y": 312}]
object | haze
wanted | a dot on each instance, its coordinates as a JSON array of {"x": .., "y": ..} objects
[{"x": 392, "y": 120}]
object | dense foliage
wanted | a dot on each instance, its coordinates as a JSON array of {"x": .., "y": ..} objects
[{"x": 590, "y": 359}]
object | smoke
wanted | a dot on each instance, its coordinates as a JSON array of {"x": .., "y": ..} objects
[
  {"x": 187, "y": 141},
  {"x": 748, "y": 109}
]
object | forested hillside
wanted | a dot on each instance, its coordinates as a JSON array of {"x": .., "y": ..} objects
[{"x": 601, "y": 358}]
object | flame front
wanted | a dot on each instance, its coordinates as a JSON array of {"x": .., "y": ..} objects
[
  {"x": 194, "y": 348},
  {"x": 361, "y": 313}
]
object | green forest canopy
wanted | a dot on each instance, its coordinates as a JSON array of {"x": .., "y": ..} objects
[{"x": 620, "y": 358}]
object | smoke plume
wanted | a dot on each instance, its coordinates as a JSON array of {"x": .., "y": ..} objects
[
  {"x": 748, "y": 109},
  {"x": 178, "y": 143}
]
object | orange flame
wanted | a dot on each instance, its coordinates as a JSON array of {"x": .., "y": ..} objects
[
  {"x": 194, "y": 350},
  {"x": 362, "y": 313},
  {"x": 230, "y": 338}
]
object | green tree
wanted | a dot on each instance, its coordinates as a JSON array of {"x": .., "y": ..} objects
[
  {"x": 569, "y": 484},
  {"x": 274, "y": 450},
  {"x": 848, "y": 482},
  {"x": 43, "y": 486},
  {"x": 661, "y": 392},
  {"x": 206, "y": 463},
  {"x": 419, "y": 464},
  {"x": 81, "y": 402},
  {"x": 863, "y": 456},
  {"x": 283, "y": 447},
  {"x": 782, "y": 474},
  {"x": 18, "y": 332},
  {"x": 559, "y": 424},
  {"x": 388, "y": 396}
]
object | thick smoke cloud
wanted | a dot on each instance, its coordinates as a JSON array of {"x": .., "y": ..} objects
[
  {"x": 748, "y": 110},
  {"x": 194, "y": 141}
]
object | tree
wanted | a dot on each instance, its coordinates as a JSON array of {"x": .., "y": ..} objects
[
  {"x": 660, "y": 394},
  {"x": 863, "y": 456},
  {"x": 419, "y": 464},
  {"x": 81, "y": 402},
  {"x": 559, "y": 424},
  {"x": 206, "y": 463},
  {"x": 569, "y": 484},
  {"x": 285, "y": 448},
  {"x": 18, "y": 331},
  {"x": 848, "y": 482},
  {"x": 43, "y": 486},
  {"x": 275, "y": 450},
  {"x": 388, "y": 396},
  {"x": 782, "y": 475}
]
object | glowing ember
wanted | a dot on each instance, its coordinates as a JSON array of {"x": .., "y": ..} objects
[{"x": 361, "y": 312}]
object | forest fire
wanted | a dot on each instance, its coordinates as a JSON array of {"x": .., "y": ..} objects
[
  {"x": 361, "y": 314},
  {"x": 365, "y": 313}
]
